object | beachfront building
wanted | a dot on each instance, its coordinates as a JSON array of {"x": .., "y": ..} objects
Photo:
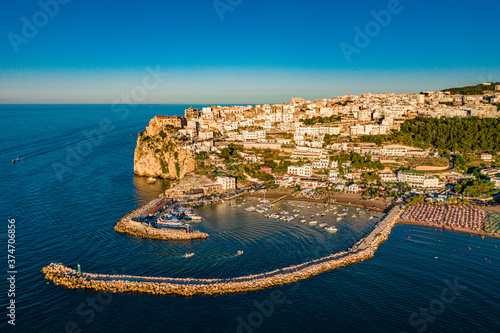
[
  {"x": 228, "y": 183},
  {"x": 354, "y": 188},
  {"x": 415, "y": 178},
  {"x": 302, "y": 171}
]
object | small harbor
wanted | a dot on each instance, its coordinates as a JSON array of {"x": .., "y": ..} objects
[{"x": 360, "y": 251}]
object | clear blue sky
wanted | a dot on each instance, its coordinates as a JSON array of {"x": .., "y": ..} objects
[{"x": 262, "y": 51}]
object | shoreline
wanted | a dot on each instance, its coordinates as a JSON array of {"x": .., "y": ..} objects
[
  {"x": 127, "y": 226},
  {"x": 461, "y": 230},
  {"x": 341, "y": 199},
  {"x": 360, "y": 251}
]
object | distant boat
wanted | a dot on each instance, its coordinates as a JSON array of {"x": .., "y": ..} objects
[
  {"x": 322, "y": 225},
  {"x": 313, "y": 222},
  {"x": 239, "y": 252},
  {"x": 16, "y": 159},
  {"x": 188, "y": 255}
]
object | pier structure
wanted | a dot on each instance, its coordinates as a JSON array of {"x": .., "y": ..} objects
[{"x": 362, "y": 250}]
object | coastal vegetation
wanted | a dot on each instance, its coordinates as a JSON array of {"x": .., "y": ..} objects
[
  {"x": 465, "y": 135},
  {"x": 472, "y": 90},
  {"x": 474, "y": 187}
]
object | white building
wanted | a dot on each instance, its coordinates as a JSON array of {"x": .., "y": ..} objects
[
  {"x": 352, "y": 188},
  {"x": 332, "y": 175},
  {"x": 302, "y": 171},
  {"x": 228, "y": 183},
  {"x": 388, "y": 177},
  {"x": 496, "y": 181},
  {"x": 412, "y": 177},
  {"x": 254, "y": 135},
  {"x": 394, "y": 151},
  {"x": 321, "y": 164},
  {"x": 416, "y": 178},
  {"x": 206, "y": 135}
]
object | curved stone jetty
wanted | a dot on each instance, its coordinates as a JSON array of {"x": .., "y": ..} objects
[
  {"x": 364, "y": 249},
  {"x": 128, "y": 226}
]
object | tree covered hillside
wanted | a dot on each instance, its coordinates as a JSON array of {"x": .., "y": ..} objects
[{"x": 455, "y": 134}]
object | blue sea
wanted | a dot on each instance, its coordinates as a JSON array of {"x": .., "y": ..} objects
[{"x": 74, "y": 180}]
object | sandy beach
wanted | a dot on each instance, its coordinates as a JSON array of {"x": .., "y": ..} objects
[
  {"x": 433, "y": 225},
  {"x": 343, "y": 199}
]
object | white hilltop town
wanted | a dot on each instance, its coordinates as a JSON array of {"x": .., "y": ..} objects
[{"x": 342, "y": 144}]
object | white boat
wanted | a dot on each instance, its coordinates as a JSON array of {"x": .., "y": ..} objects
[
  {"x": 188, "y": 255},
  {"x": 322, "y": 225},
  {"x": 331, "y": 229},
  {"x": 193, "y": 216},
  {"x": 313, "y": 222},
  {"x": 339, "y": 218},
  {"x": 239, "y": 252},
  {"x": 353, "y": 216},
  {"x": 151, "y": 180},
  {"x": 171, "y": 223},
  {"x": 302, "y": 221}
]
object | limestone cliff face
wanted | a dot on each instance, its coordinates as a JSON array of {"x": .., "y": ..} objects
[{"x": 158, "y": 154}]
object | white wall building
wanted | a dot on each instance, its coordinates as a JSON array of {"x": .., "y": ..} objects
[
  {"x": 302, "y": 171},
  {"x": 228, "y": 183}
]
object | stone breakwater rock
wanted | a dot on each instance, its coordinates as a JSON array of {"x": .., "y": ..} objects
[
  {"x": 128, "y": 226},
  {"x": 68, "y": 277},
  {"x": 158, "y": 154}
]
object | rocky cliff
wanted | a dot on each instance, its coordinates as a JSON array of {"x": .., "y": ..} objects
[{"x": 159, "y": 154}]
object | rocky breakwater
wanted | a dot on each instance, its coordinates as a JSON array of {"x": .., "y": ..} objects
[
  {"x": 160, "y": 154},
  {"x": 68, "y": 277},
  {"x": 128, "y": 226}
]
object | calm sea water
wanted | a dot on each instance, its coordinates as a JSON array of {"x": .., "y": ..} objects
[{"x": 68, "y": 191}]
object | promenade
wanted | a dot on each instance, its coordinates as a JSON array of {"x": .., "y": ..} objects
[
  {"x": 366, "y": 248},
  {"x": 379, "y": 228}
]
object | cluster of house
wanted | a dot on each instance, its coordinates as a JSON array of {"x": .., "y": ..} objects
[
  {"x": 296, "y": 126},
  {"x": 368, "y": 114},
  {"x": 221, "y": 185}
]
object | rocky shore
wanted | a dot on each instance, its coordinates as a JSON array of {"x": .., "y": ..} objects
[
  {"x": 68, "y": 277},
  {"x": 128, "y": 226}
]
